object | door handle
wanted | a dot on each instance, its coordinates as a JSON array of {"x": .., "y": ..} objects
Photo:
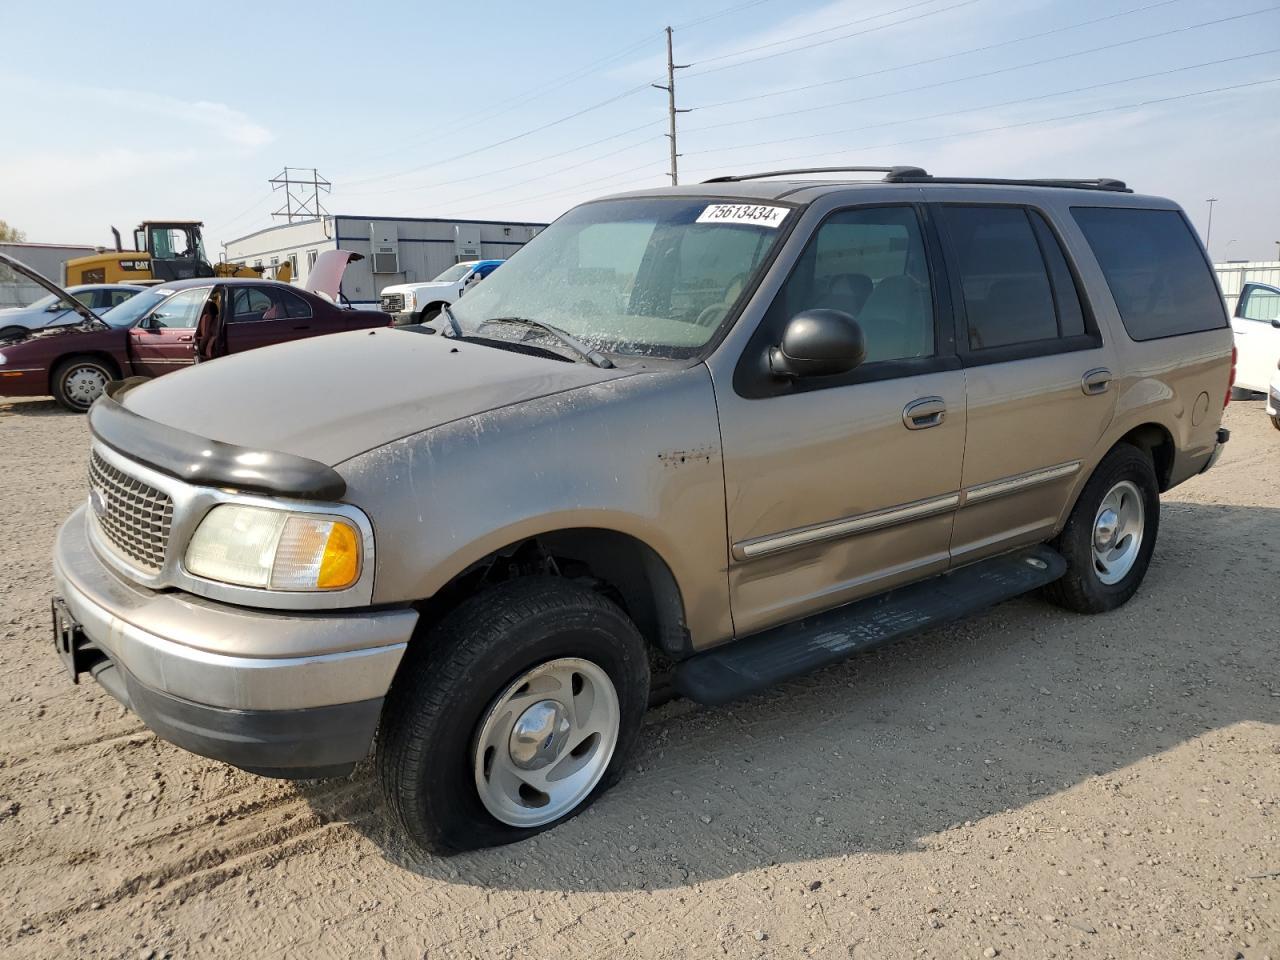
[
  {"x": 923, "y": 413},
  {"x": 1095, "y": 381},
  {"x": 185, "y": 338}
]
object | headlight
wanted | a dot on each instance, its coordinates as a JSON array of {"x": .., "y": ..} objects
[
  {"x": 410, "y": 301},
  {"x": 2, "y": 360},
  {"x": 275, "y": 549}
]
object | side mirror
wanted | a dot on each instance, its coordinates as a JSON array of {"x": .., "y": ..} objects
[
  {"x": 1276, "y": 323},
  {"x": 818, "y": 343}
]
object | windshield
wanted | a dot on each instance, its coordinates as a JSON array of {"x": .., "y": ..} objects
[
  {"x": 456, "y": 272},
  {"x": 45, "y": 302},
  {"x": 133, "y": 309},
  {"x": 651, "y": 275}
]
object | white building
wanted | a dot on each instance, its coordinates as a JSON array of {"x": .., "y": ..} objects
[{"x": 396, "y": 249}]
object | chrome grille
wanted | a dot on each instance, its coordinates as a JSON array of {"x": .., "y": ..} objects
[
  {"x": 135, "y": 518},
  {"x": 392, "y": 302}
]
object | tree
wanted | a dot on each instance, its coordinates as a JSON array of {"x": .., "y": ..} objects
[{"x": 10, "y": 234}]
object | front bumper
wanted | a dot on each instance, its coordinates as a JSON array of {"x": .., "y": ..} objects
[{"x": 308, "y": 708}]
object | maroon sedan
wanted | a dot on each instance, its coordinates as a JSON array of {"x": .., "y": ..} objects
[{"x": 155, "y": 332}]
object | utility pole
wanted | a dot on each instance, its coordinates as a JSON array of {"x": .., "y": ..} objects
[
  {"x": 670, "y": 87},
  {"x": 1208, "y": 230},
  {"x": 302, "y": 189}
]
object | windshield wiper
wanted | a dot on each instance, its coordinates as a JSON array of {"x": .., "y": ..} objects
[
  {"x": 453, "y": 321},
  {"x": 589, "y": 353}
]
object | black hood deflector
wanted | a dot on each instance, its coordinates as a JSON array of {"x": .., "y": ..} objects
[{"x": 210, "y": 463}]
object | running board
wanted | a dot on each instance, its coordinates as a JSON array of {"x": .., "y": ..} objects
[{"x": 745, "y": 666}]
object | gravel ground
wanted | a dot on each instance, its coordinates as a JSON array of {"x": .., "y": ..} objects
[{"x": 1027, "y": 784}]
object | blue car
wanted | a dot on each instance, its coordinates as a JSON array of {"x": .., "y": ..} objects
[{"x": 52, "y": 311}]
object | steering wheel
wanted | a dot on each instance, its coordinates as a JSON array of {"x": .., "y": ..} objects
[{"x": 711, "y": 315}]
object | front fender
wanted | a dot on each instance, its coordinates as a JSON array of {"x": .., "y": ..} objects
[{"x": 639, "y": 456}]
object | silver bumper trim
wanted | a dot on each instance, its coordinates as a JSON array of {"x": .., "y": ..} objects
[{"x": 225, "y": 656}]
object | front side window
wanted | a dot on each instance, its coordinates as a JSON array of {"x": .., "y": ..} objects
[
  {"x": 180, "y": 310},
  {"x": 1155, "y": 269},
  {"x": 870, "y": 264},
  {"x": 1008, "y": 298},
  {"x": 1260, "y": 303},
  {"x": 646, "y": 275},
  {"x": 170, "y": 243}
]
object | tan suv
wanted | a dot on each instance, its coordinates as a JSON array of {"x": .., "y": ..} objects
[{"x": 748, "y": 428}]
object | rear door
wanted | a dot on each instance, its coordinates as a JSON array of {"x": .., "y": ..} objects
[
  {"x": 164, "y": 340},
  {"x": 1256, "y": 326},
  {"x": 262, "y": 315},
  {"x": 1038, "y": 376}
]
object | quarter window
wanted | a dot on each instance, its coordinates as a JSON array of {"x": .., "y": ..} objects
[
  {"x": 1005, "y": 286},
  {"x": 1155, "y": 269},
  {"x": 868, "y": 263}
]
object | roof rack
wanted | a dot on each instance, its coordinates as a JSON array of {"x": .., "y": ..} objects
[
  {"x": 891, "y": 174},
  {"x": 906, "y": 174}
]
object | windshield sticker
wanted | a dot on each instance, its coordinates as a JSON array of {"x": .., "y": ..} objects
[
  {"x": 165, "y": 291},
  {"x": 760, "y": 215}
]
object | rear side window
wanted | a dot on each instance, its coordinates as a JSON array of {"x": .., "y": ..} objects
[
  {"x": 1155, "y": 269},
  {"x": 1008, "y": 298}
]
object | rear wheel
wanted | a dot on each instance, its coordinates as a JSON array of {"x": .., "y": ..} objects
[
  {"x": 79, "y": 381},
  {"x": 1111, "y": 533},
  {"x": 514, "y": 714}
]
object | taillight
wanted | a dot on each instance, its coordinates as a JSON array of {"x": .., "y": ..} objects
[{"x": 1231, "y": 381}]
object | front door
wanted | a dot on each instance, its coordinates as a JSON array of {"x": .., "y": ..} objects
[
  {"x": 839, "y": 487},
  {"x": 164, "y": 340},
  {"x": 1038, "y": 375},
  {"x": 1256, "y": 326}
]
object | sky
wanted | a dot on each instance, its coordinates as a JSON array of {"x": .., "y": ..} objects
[{"x": 517, "y": 111}]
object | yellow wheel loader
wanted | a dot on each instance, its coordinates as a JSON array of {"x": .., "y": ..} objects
[{"x": 164, "y": 250}]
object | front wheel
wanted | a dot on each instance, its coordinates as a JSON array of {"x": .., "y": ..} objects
[
  {"x": 429, "y": 313},
  {"x": 514, "y": 714},
  {"x": 1275, "y": 420},
  {"x": 80, "y": 381},
  {"x": 1111, "y": 533}
]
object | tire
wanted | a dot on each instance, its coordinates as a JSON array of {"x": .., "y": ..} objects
[
  {"x": 1100, "y": 580},
  {"x": 441, "y": 784},
  {"x": 1275, "y": 420},
  {"x": 74, "y": 382},
  {"x": 429, "y": 313}
]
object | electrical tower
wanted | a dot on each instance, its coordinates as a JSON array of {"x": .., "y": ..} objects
[
  {"x": 302, "y": 188},
  {"x": 670, "y": 87}
]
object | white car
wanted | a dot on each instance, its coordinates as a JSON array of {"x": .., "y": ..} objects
[
  {"x": 1257, "y": 328},
  {"x": 422, "y": 302},
  {"x": 1273, "y": 398},
  {"x": 52, "y": 311}
]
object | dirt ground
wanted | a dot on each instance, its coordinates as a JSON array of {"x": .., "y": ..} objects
[{"x": 1028, "y": 784}]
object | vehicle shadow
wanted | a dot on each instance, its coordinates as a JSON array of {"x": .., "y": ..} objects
[
  {"x": 33, "y": 407},
  {"x": 901, "y": 743}
]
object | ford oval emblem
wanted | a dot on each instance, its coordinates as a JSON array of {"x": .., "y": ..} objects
[{"x": 97, "y": 501}]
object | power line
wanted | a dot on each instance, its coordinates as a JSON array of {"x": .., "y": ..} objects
[
  {"x": 578, "y": 186},
  {"x": 559, "y": 82},
  {"x": 845, "y": 36},
  {"x": 977, "y": 76},
  {"x": 949, "y": 56},
  {"x": 992, "y": 106},
  {"x": 815, "y": 33},
  {"x": 1012, "y": 126},
  {"x": 400, "y": 191}
]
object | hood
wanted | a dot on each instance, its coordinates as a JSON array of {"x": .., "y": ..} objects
[
  {"x": 19, "y": 267},
  {"x": 325, "y": 277},
  {"x": 40, "y": 341},
  {"x": 331, "y": 398}
]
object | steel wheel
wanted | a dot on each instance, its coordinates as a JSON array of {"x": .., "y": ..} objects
[
  {"x": 1117, "y": 532},
  {"x": 83, "y": 383},
  {"x": 546, "y": 742}
]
